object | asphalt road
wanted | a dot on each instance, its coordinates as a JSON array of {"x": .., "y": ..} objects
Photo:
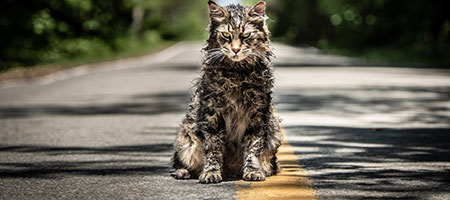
[{"x": 106, "y": 132}]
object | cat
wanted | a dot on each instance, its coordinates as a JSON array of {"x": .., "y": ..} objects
[{"x": 231, "y": 128}]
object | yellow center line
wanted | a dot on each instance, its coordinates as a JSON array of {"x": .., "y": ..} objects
[{"x": 291, "y": 183}]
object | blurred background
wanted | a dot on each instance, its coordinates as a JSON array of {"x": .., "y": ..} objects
[{"x": 71, "y": 32}]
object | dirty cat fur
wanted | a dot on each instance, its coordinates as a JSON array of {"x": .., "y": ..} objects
[{"x": 231, "y": 128}]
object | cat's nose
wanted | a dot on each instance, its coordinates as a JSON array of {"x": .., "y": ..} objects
[{"x": 235, "y": 50}]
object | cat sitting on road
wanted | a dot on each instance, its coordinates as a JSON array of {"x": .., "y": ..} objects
[{"x": 231, "y": 128}]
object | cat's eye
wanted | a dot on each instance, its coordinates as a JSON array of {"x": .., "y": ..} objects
[
  {"x": 246, "y": 35},
  {"x": 226, "y": 35}
]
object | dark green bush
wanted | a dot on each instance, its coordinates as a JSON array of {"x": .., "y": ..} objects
[
  {"x": 45, "y": 31},
  {"x": 414, "y": 27}
]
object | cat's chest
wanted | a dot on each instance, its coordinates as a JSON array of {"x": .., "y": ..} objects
[
  {"x": 239, "y": 95},
  {"x": 237, "y": 91},
  {"x": 239, "y": 87}
]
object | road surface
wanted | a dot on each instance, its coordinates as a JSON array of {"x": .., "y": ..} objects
[{"x": 106, "y": 132}]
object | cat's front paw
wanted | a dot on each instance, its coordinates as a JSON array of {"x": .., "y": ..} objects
[
  {"x": 182, "y": 174},
  {"x": 255, "y": 175},
  {"x": 210, "y": 177}
]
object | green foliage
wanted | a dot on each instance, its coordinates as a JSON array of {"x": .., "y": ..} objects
[
  {"x": 51, "y": 31},
  {"x": 412, "y": 27},
  {"x": 48, "y": 31}
]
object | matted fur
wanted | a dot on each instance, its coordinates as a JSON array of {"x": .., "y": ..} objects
[{"x": 231, "y": 127}]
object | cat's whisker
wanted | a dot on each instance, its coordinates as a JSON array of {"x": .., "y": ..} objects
[
  {"x": 215, "y": 57},
  {"x": 212, "y": 56}
]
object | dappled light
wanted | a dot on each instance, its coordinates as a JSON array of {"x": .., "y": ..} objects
[
  {"x": 369, "y": 106},
  {"x": 374, "y": 163}
]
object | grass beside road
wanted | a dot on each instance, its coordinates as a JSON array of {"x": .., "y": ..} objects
[{"x": 30, "y": 72}]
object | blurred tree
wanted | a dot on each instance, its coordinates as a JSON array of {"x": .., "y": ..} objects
[
  {"x": 416, "y": 27},
  {"x": 295, "y": 21},
  {"x": 44, "y": 31}
]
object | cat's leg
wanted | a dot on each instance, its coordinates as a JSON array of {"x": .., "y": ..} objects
[
  {"x": 188, "y": 159},
  {"x": 212, "y": 171},
  {"x": 268, "y": 158},
  {"x": 213, "y": 146},
  {"x": 252, "y": 170},
  {"x": 261, "y": 145}
]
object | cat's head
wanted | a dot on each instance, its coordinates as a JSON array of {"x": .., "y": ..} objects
[{"x": 238, "y": 33}]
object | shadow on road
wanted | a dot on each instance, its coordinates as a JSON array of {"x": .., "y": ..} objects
[
  {"x": 124, "y": 160},
  {"x": 88, "y": 150},
  {"x": 383, "y": 163},
  {"x": 145, "y": 104}
]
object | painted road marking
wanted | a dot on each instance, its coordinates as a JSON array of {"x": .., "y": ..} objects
[{"x": 291, "y": 183}]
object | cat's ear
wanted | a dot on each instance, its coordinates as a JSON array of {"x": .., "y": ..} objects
[
  {"x": 216, "y": 12},
  {"x": 259, "y": 10}
]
